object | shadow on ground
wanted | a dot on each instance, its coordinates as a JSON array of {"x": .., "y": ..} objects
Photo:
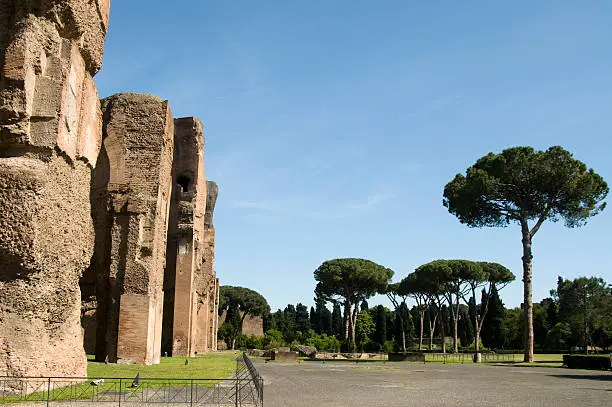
[{"x": 599, "y": 377}]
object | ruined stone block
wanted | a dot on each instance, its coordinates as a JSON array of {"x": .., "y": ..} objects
[
  {"x": 131, "y": 189},
  {"x": 46, "y": 240},
  {"x": 49, "y": 50},
  {"x": 187, "y": 285}
]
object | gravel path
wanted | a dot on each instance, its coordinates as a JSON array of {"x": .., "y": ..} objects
[{"x": 310, "y": 384}]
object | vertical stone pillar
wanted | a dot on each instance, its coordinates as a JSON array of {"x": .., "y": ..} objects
[
  {"x": 206, "y": 278},
  {"x": 50, "y": 134},
  {"x": 215, "y": 316},
  {"x": 132, "y": 186},
  {"x": 185, "y": 235}
]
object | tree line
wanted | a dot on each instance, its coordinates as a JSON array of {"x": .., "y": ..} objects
[
  {"x": 576, "y": 316},
  {"x": 520, "y": 186}
]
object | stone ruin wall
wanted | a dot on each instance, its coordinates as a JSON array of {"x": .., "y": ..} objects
[
  {"x": 185, "y": 240},
  {"x": 62, "y": 164},
  {"x": 130, "y": 195},
  {"x": 252, "y": 325},
  {"x": 207, "y": 285},
  {"x": 132, "y": 137},
  {"x": 50, "y": 134}
]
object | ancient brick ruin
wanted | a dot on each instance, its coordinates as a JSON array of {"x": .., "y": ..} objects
[
  {"x": 105, "y": 217},
  {"x": 191, "y": 301},
  {"x": 50, "y": 134}
]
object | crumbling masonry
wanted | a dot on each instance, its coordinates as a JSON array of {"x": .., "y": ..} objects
[
  {"x": 50, "y": 134},
  {"x": 105, "y": 217}
]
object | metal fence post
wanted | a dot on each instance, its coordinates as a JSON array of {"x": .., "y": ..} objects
[
  {"x": 236, "y": 385},
  {"x": 261, "y": 382},
  {"x": 191, "y": 396},
  {"x": 48, "y": 390},
  {"x": 120, "y": 382}
]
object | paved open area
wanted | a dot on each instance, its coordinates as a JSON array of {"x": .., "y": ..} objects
[{"x": 309, "y": 384}]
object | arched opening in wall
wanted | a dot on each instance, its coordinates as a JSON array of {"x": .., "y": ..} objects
[{"x": 184, "y": 182}]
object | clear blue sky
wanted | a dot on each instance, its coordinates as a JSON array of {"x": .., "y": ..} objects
[{"x": 332, "y": 126}]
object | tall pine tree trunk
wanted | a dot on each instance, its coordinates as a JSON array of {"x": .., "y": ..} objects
[
  {"x": 354, "y": 325},
  {"x": 442, "y": 323},
  {"x": 347, "y": 319},
  {"x": 432, "y": 330},
  {"x": 422, "y": 317},
  {"x": 477, "y": 337},
  {"x": 403, "y": 335},
  {"x": 481, "y": 317},
  {"x": 527, "y": 292},
  {"x": 456, "y": 326},
  {"x": 402, "y": 327},
  {"x": 475, "y": 324}
]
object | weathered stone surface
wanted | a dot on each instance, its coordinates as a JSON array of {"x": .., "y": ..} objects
[
  {"x": 252, "y": 325},
  {"x": 190, "y": 285},
  {"x": 207, "y": 285},
  {"x": 118, "y": 193},
  {"x": 46, "y": 239},
  {"x": 51, "y": 124},
  {"x": 50, "y": 50},
  {"x": 49, "y": 129},
  {"x": 283, "y": 356},
  {"x": 130, "y": 196},
  {"x": 303, "y": 350},
  {"x": 186, "y": 227}
]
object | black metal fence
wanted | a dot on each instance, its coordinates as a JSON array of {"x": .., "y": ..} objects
[
  {"x": 469, "y": 357},
  {"x": 243, "y": 388}
]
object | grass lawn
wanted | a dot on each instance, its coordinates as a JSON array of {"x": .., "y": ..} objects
[
  {"x": 545, "y": 360},
  {"x": 213, "y": 365},
  {"x": 218, "y": 365}
]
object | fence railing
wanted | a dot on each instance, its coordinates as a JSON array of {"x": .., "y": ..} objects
[
  {"x": 468, "y": 357},
  {"x": 258, "y": 382},
  {"x": 244, "y": 388}
]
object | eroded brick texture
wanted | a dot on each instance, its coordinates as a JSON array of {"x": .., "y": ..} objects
[
  {"x": 121, "y": 318},
  {"x": 130, "y": 197},
  {"x": 50, "y": 133},
  {"x": 208, "y": 284},
  {"x": 188, "y": 282}
]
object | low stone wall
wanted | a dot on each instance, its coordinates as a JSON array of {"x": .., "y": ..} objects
[
  {"x": 350, "y": 356},
  {"x": 284, "y": 356}
]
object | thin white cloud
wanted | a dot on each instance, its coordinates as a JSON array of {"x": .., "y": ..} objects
[{"x": 295, "y": 207}]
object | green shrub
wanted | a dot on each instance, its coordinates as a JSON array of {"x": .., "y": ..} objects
[
  {"x": 241, "y": 341},
  {"x": 324, "y": 342},
  {"x": 471, "y": 348},
  {"x": 388, "y": 346},
  {"x": 254, "y": 342},
  {"x": 593, "y": 362},
  {"x": 273, "y": 339},
  {"x": 369, "y": 346}
]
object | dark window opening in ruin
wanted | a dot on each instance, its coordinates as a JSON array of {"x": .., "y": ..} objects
[{"x": 184, "y": 182}]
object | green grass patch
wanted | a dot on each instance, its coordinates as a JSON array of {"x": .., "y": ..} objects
[
  {"x": 548, "y": 358},
  {"x": 219, "y": 365},
  {"x": 541, "y": 360},
  {"x": 212, "y": 365}
]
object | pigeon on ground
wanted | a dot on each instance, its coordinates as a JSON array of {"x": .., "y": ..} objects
[
  {"x": 98, "y": 382},
  {"x": 136, "y": 381}
]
